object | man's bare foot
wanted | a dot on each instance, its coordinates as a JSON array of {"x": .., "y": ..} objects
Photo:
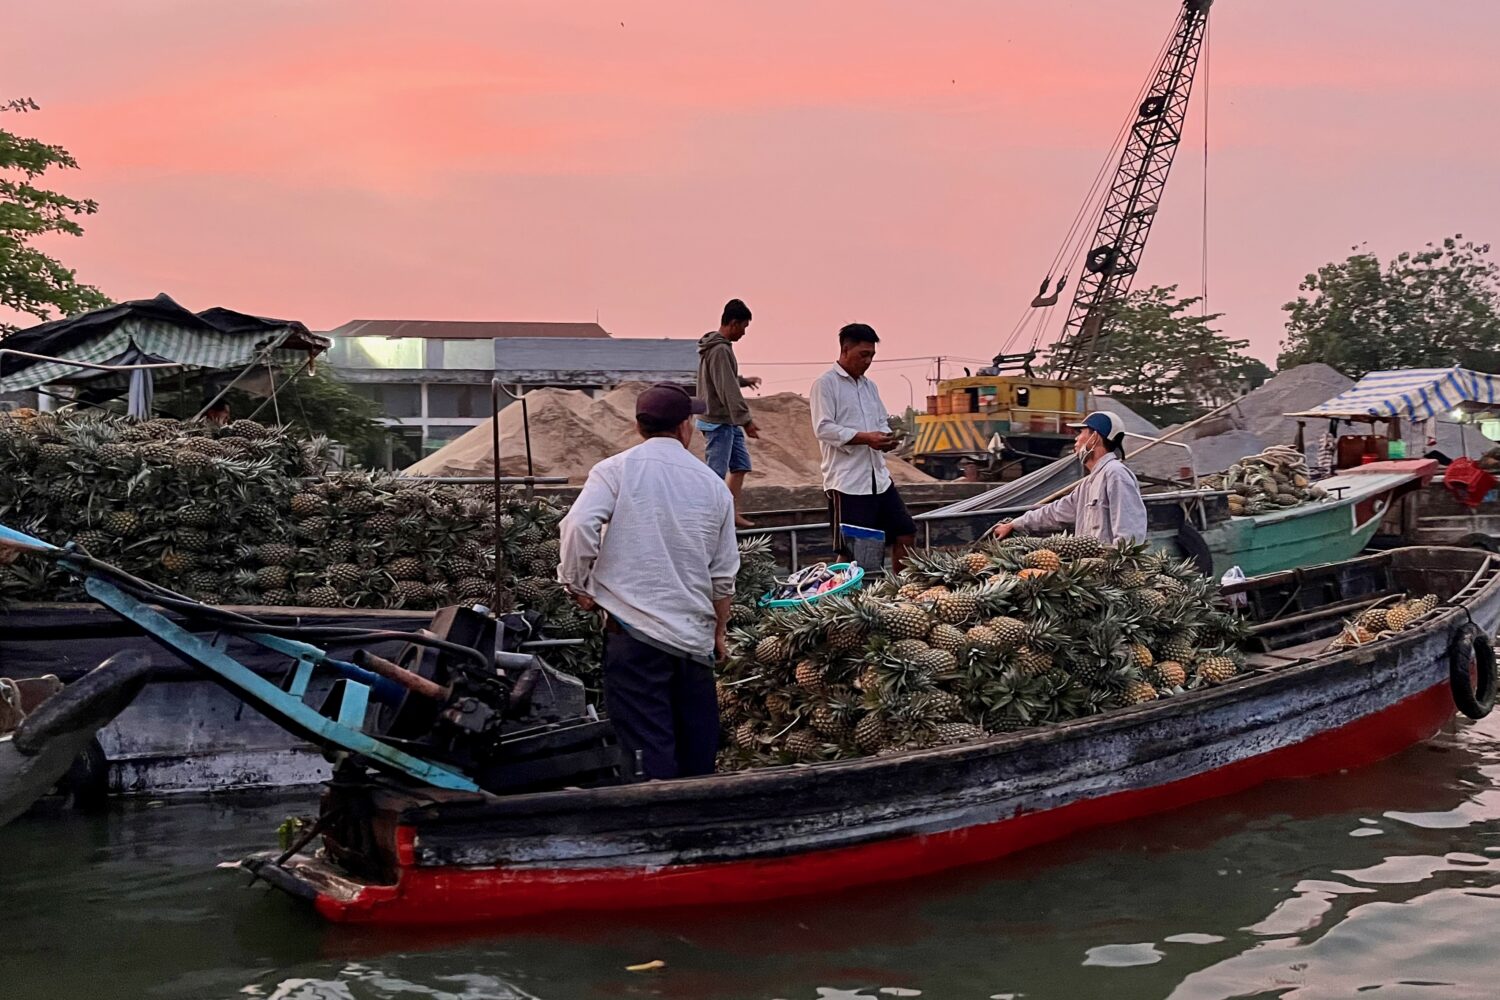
[{"x": 741, "y": 521}]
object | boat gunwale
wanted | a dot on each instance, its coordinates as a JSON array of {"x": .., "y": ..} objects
[{"x": 754, "y": 781}]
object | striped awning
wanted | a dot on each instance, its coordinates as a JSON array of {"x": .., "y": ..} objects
[
  {"x": 144, "y": 340},
  {"x": 1411, "y": 394}
]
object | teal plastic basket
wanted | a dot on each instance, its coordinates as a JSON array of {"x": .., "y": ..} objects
[{"x": 853, "y": 583}]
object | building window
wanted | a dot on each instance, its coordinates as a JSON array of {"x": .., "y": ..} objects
[
  {"x": 458, "y": 400},
  {"x": 377, "y": 352},
  {"x": 395, "y": 400},
  {"x": 440, "y": 434},
  {"x": 468, "y": 354}
]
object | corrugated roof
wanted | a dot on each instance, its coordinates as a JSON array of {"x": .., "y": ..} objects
[
  {"x": 540, "y": 354},
  {"x": 441, "y": 329}
]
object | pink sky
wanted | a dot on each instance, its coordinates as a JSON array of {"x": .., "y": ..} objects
[{"x": 912, "y": 166}]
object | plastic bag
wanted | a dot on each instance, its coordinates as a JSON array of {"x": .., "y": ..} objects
[{"x": 1234, "y": 575}]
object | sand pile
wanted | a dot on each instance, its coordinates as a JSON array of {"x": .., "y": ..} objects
[
  {"x": 1257, "y": 421},
  {"x": 570, "y": 432}
]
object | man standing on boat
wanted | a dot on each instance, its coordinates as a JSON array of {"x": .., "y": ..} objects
[
  {"x": 1107, "y": 505},
  {"x": 650, "y": 540},
  {"x": 854, "y": 433},
  {"x": 726, "y": 422}
]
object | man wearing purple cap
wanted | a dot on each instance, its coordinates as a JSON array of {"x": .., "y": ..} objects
[
  {"x": 650, "y": 540},
  {"x": 1107, "y": 504}
]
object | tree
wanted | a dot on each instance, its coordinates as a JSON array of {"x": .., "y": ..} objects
[
  {"x": 309, "y": 404},
  {"x": 1431, "y": 309},
  {"x": 1168, "y": 363},
  {"x": 32, "y": 282}
]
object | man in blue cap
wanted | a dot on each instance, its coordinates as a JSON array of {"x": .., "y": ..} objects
[
  {"x": 650, "y": 540},
  {"x": 1106, "y": 505}
]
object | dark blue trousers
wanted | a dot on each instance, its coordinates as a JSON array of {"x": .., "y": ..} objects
[{"x": 662, "y": 706}]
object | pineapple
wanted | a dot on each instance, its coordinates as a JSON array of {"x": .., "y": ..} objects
[
  {"x": 1139, "y": 692},
  {"x": 810, "y": 675},
  {"x": 1373, "y": 619},
  {"x": 1032, "y": 662},
  {"x": 870, "y": 733},
  {"x": 1177, "y": 646},
  {"x": 345, "y": 577},
  {"x": 907, "y": 651},
  {"x": 975, "y": 563},
  {"x": 405, "y": 568},
  {"x": 984, "y": 639},
  {"x": 121, "y": 523},
  {"x": 801, "y": 745},
  {"x": 772, "y": 651},
  {"x": 1169, "y": 674},
  {"x": 1400, "y": 616},
  {"x": 176, "y": 562},
  {"x": 1012, "y": 631},
  {"x": 1141, "y": 654},
  {"x": 932, "y": 594},
  {"x": 1216, "y": 669},
  {"x": 909, "y": 591},
  {"x": 95, "y": 543},
  {"x": 936, "y": 706},
  {"x": 935, "y": 662},
  {"x": 747, "y": 735},
  {"x": 198, "y": 515},
  {"x": 1043, "y": 559},
  {"x": 407, "y": 594},
  {"x": 275, "y": 554},
  {"x": 273, "y": 578},
  {"x": 946, "y": 637},
  {"x": 905, "y": 621},
  {"x": 956, "y": 607},
  {"x": 832, "y": 723},
  {"x": 958, "y": 732}
]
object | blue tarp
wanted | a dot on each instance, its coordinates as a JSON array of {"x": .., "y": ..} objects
[{"x": 1411, "y": 393}]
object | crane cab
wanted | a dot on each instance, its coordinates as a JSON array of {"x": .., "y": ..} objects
[{"x": 1005, "y": 425}]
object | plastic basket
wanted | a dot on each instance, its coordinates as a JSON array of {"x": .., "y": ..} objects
[{"x": 853, "y": 583}]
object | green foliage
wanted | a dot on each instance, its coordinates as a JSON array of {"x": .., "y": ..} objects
[
  {"x": 1431, "y": 309},
  {"x": 32, "y": 282},
  {"x": 1167, "y": 362}
]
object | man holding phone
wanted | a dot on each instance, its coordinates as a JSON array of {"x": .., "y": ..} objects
[{"x": 853, "y": 431}]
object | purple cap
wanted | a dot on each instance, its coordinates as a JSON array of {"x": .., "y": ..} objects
[{"x": 667, "y": 405}]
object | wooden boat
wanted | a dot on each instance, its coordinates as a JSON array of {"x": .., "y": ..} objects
[
  {"x": 44, "y": 726},
  {"x": 394, "y": 852},
  {"x": 182, "y": 733}
]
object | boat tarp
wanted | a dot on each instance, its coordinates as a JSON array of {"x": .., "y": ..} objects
[
  {"x": 151, "y": 330},
  {"x": 1414, "y": 394}
]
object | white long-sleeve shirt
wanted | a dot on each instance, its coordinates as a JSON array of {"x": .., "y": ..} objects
[
  {"x": 1107, "y": 505},
  {"x": 651, "y": 539},
  {"x": 843, "y": 406}
]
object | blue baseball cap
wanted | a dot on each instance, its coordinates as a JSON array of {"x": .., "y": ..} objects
[{"x": 1106, "y": 424}]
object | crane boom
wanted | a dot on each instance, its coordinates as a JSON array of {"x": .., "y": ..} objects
[{"x": 1131, "y": 203}]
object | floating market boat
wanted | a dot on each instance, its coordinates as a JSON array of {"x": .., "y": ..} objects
[
  {"x": 44, "y": 726},
  {"x": 395, "y": 851}
]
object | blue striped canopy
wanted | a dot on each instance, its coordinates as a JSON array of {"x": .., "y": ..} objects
[{"x": 1410, "y": 393}]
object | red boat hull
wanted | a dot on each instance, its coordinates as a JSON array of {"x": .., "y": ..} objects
[{"x": 451, "y": 895}]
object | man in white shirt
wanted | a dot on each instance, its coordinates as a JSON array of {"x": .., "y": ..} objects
[
  {"x": 1107, "y": 504},
  {"x": 650, "y": 540},
  {"x": 853, "y": 431}
]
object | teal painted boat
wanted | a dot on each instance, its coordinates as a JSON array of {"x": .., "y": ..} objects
[{"x": 1330, "y": 530}]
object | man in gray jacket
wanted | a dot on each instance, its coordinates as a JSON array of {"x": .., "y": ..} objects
[
  {"x": 726, "y": 423},
  {"x": 1107, "y": 505}
]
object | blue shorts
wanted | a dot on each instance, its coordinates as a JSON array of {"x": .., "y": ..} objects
[{"x": 726, "y": 451}]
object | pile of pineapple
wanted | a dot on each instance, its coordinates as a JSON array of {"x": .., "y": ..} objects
[
  {"x": 1380, "y": 623},
  {"x": 247, "y": 514},
  {"x": 1017, "y": 633},
  {"x": 1259, "y": 484}
]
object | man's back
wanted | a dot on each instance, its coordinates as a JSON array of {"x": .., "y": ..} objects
[{"x": 670, "y": 534}]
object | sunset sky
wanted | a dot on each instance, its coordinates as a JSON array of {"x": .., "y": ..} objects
[{"x": 912, "y": 166}]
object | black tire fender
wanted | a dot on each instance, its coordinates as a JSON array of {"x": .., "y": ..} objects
[
  {"x": 1470, "y": 653},
  {"x": 88, "y": 703}
]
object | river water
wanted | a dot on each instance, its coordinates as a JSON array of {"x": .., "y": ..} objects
[{"x": 1381, "y": 883}]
